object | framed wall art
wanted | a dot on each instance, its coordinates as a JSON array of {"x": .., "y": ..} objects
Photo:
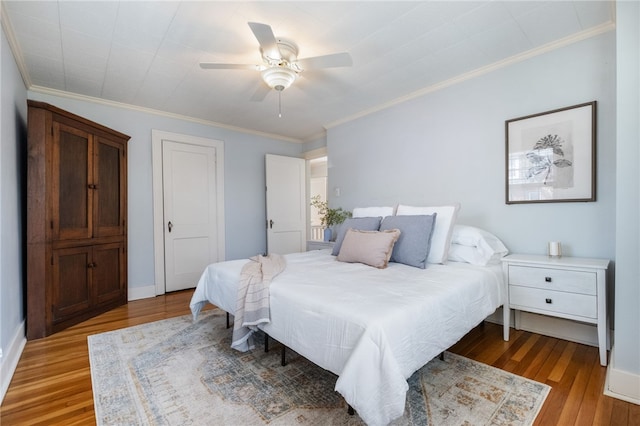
[{"x": 551, "y": 156}]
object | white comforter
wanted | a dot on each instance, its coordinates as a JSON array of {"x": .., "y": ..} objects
[{"x": 372, "y": 327}]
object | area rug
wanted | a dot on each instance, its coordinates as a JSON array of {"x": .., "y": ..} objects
[{"x": 180, "y": 372}]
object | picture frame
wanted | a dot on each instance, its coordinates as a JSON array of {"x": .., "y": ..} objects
[{"x": 551, "y": 156}]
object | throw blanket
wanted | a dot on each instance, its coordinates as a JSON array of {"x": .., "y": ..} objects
[{"x": 252, "y": 304}]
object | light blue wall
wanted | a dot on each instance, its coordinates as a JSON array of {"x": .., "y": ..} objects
[
  {"x": 316, "y": 143},
  {"x": 627, "y": 342},
  {"x": 449, "y": 146},
  {"x": 244, "y": 178},
  {"x": 13, "y": 139}
]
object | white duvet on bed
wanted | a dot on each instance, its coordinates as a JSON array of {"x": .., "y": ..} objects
[{"x": 372, "y": 327}]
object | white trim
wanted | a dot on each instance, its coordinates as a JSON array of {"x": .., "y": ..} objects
[
  {"x": 136, "y": 293},
  {"x": 11, "y": 358},
  {"x": 622, "y": 384},
  {"x": 600, "y": 29},
  {"x": 318, "y": 135},
  {"x": 13, "y": 45},
  {"x": 157, "y": 136},
  {"x": 121, "y": 105},
  {"x": 315, "y": 153}
]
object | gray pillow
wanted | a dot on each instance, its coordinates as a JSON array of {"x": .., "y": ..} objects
[
  {"x": 412, "y": 248},
  {"x": 358, "y": 223}
]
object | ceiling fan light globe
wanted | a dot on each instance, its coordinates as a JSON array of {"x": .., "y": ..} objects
[{"x": 279, "y": 78}]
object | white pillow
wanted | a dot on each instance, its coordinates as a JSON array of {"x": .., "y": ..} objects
[
  {"x": 372, "y": 212},
  {"x": 441, "y": 237},
  {"x": 475, "y": 246}
]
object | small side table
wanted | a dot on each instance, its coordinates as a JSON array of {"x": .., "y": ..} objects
[{"x": 564, "y": 287}]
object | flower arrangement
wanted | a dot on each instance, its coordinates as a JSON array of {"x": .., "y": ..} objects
[{"x": 329, "y": 216}]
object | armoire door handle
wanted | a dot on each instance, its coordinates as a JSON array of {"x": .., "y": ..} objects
[{"x": 170, "y": 226}]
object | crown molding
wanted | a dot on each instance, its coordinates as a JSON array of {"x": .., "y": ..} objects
[
  {"x": 583, "y": 35},
  {"x": 13, "y": 45},
  {"x": 121, "y": 105}
]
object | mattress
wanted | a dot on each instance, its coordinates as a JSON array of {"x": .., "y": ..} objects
[{"x": 371, "y": 327}]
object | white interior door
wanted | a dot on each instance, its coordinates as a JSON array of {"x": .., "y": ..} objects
[
  {"x": 190, "y": 205},
  {"x": 286, "y": 204}
]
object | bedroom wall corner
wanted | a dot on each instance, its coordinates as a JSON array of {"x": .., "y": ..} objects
[
  {"x": 141, "y": 292},
  {"x": 623, "y": 377},
  {"x": 10, "y": 358},
  {"x": 621, "y": 384},
  {"x": 13, "y": 124}
]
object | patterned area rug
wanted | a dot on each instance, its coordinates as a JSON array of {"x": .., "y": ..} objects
[{"x": 177, "y": 372}]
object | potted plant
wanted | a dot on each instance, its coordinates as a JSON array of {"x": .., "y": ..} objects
[{"x": 328, "y": 216}]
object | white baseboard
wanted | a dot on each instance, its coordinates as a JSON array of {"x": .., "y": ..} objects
[
  {"x": 622, "y": 384},
  {"x": 560, "y": 328},
  {"x": 11, "y": 357},
  {"x": 135, "y": 293}
]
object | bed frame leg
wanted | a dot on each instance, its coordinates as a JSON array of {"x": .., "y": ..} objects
[
  {"x": 441, "y": 356},
  {"x": 266, "y": 342},
  {"x": 227, "y": 319},
  {"x": 350, "y": 410},
  {"x": 283, "y": 353}
]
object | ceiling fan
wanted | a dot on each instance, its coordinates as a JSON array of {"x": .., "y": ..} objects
[{"x": 281, "y": 65}]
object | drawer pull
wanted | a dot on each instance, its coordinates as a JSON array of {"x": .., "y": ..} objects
[
  {"x": 548, "y": 301},
  {"x": 547, "y": 279}
]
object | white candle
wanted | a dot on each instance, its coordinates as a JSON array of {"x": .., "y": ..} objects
[{"x": 555, "y": 249}]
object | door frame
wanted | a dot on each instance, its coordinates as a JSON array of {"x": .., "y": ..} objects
[
  {"x": 310, "y": 155},
  {"x": 157, "y": 136}
]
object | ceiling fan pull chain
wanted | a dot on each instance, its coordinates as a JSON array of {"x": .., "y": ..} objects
[{"x": 279, "y": 103}]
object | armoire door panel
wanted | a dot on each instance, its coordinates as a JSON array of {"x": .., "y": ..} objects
[
  {"x": 108, "y": 272},
  {"x": 110, "y": 187},
  {"x": 71, "y": 282},
  {"x": 72, "y": 177}
]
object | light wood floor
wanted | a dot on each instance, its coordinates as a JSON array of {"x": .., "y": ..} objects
[{"x": 52, "y": 383}]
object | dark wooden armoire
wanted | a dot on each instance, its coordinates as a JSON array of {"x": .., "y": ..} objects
[{"x": 76, "y": 219}]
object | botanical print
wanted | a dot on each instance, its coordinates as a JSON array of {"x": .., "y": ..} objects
[
  {"x": 550, "y": 160},
  {"x": 550, "y": 156}
]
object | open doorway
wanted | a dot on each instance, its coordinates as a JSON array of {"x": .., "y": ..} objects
[{"x": 317, "y": 188}]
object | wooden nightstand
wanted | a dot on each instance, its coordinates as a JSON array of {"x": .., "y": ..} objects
[
  {"x": 319, "y": 245},
  {"x": 565, "y": 287}
]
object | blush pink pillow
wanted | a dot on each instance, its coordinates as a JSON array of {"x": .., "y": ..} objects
[{"x": 372, "y": 248}]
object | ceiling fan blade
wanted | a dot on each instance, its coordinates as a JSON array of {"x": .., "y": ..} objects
[
  {"x": 261, "y": 92},
  {"x": 267, "y": 40},
  {"x": 215, "y": 66},
  {"x": 327, "y": 61}
]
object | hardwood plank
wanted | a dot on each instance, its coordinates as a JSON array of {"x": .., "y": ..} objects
[
  {"x": 619, "y": 413},
  {"x": 564, "y": 360},
  {"x": 593, "y": 391},
  {"x": 52, "y": 383},
  {"x": 571, "y": 407},
  {"x": 532, "y": 362},
  {"x": 604, "y": 410}
]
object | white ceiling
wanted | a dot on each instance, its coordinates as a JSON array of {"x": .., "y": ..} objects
[{"x": 147, "y": 53}]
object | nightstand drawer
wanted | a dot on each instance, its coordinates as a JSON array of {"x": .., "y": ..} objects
[
  {"x": 553, "y": 301},
  {"x": 582, "y": 282}
]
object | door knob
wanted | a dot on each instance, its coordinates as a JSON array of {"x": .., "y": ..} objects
[{"x": 170, "y": 226}]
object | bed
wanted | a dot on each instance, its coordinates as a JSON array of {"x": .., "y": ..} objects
[{"x": 371, "y": 327}]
